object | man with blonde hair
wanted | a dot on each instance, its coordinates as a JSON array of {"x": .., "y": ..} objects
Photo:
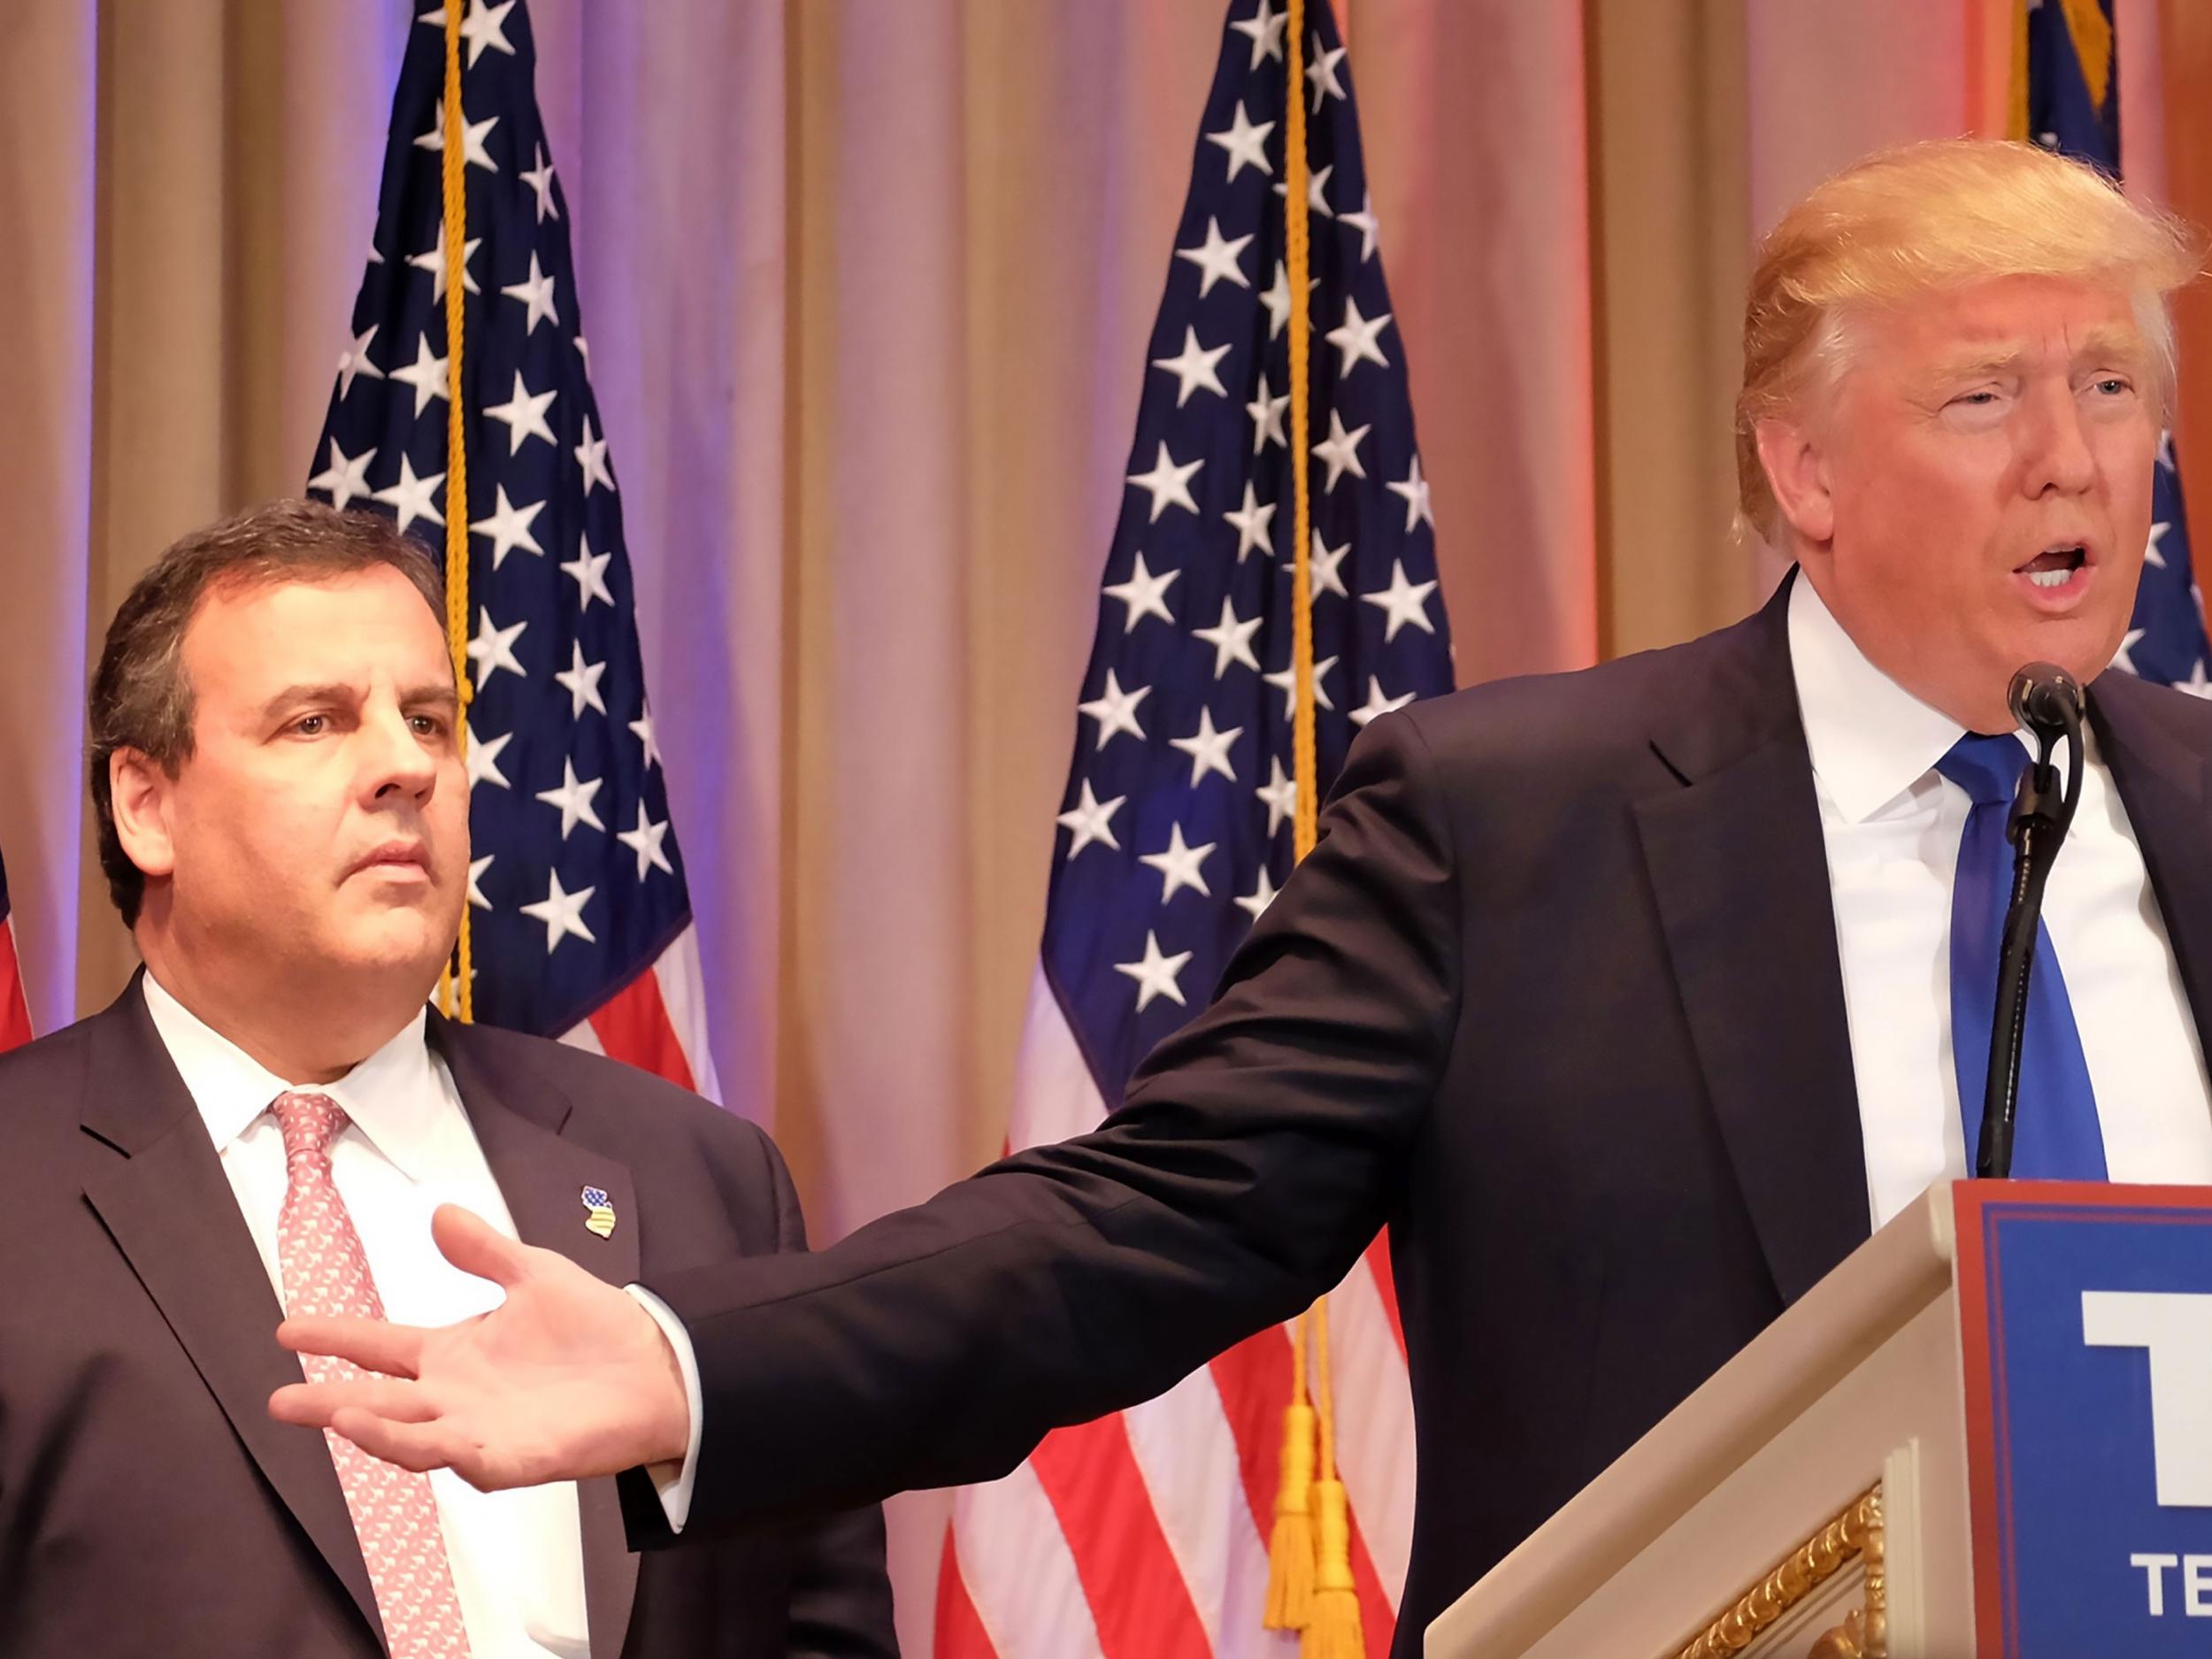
[{"x": 1631, "y": 1000}]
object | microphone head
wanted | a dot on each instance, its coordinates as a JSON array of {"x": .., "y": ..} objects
[{"x": 2044, "y": 694}]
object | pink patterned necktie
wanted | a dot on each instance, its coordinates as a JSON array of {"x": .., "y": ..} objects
[{"x": 326, "y": 1275}]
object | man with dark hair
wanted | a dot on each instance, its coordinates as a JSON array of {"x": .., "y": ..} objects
[{"x": 265, "y": 1121}]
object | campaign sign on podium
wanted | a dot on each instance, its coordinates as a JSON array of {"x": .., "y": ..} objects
[{"x": 2087, "y": 1319}]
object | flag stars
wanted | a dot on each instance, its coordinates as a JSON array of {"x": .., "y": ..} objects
[
  {"x": 1179, "y": 865},
  {"x": 581, "y": 680},
  {"x": 410, "y": 497},
  {"x": 2196, "y": 684},
  {"x": 590, "y": 571},
  {"x": 2151, "y": 554},
  {"x": 540, "y": 179},
  {"x": 473, "y": 136},
  {"x": 1414, "y": 490},
  {"x": 433, "y": 261},
  {"x": 1208, "y": 749},
  {"x": 1403, "y": 601},
  {"x": 645, "y": 841},
  {"x": 1287, "y": 682},
  {"x": 591, "y": 454},
  {"x": 1267, "y": 420},
  {"x": 1316, "y": 191},
  {"x": 574, "y": 799},
  {"x": 1325, "y": 568},
  {"x": 1341, "y": 450},
  {"x": 1155, "y": 974},
  {"x": 1253, "y": 523},
  {"x": 1231, "y": 638},
  {"x": 1217, "y": 259},
  {"x": 427, "y": 374},
  {"x": 494, "y": 649},
  {"x": 1245, "y": 143},
  {"x": 483, "y": 27},
  {"x": 346, "y": 477},
  {"x": 563, "y": 913},
  {"x": 1264, "y": 30},
  {"x": 2123, "y": 658},
  {"x": 1376, "y": 704},
  {"x": 535, "y": 291},
  {"x": 1169, "y": 483},
  {"x": 508, "y": 527},
  {"x": 1091, "y": 820},
  {"x": 1279, "y": 795},
  {"x": 524, "y": 414},
  {"x": 1355, "y": 339},
  {"x": 643, "y": 728},
  {"x": 1363, "y": 222},
  {"x": 1194, "y": 367},
  {"x": 1321, "y": 72},
  {"x": 1143, "y": 594},
  {"x": 482, "y": 757},
  {"x": 1115, "y": 709},
  {"x": 354, "y": 361},
  {"x": 1255, "y": 904},
  {"x": 2166, "y": 450},
  {"x": 477, "y": 867}
]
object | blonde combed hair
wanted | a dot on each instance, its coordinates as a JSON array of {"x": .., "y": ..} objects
[{"x": 1931, "y": 216}]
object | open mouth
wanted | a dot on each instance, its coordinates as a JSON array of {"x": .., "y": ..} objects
[{"x": 2055, "y": 566}]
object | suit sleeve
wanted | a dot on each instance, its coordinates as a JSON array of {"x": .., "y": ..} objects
[
  {"x": 1258, "y": 1152},
  {"x": 841, "y": 1594}
]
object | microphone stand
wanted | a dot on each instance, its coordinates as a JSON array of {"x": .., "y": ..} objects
[{"x": 2040, "y": 819}]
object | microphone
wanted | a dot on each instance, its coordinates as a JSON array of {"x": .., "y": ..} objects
[{"x": 2045, "y": 699}]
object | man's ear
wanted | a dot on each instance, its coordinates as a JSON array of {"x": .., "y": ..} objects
[
  {"x": 1797, "y": 472},
  {"x": 138, "y": 792}
]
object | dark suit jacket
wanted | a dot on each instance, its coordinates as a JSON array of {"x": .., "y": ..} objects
[
  {"x": 1556, "y": 998},
  {"x": 148, "y": 1502}
]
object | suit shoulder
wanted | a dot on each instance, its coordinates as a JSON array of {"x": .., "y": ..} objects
[
  {"x": 632, "y": 1110},
  {"x": 2179, "y": 714},
  {"x": 47, "y": 1062}
]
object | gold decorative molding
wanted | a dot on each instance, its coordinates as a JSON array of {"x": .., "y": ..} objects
[{"x": 1855, "y": 1534}]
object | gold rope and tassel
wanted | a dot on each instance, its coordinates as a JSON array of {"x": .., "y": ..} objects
[
  {"x": 1310, "y": 1584},
  {"x": 454, "y": 988}
]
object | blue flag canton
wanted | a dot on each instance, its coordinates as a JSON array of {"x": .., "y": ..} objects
[
  {"x": 2165, "y": 640},
  {"x": 576, "y": 884},
  {"x": 1176, "y": 826}
]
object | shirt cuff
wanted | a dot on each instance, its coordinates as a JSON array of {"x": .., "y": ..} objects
[{"x": 672, "y": 1481}]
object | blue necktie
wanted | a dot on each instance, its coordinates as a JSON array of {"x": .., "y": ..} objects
[{"x": 2055, "y": 1135}]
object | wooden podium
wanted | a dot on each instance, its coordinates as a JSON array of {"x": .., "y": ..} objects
[{"x": 1988, "y": 1433}]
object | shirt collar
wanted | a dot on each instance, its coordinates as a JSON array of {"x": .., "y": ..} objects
[
  {"x": 392, "y": 1096},
  {"x": 1870, "y": 738}
]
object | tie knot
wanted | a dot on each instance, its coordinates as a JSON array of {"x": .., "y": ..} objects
[
  {"x": 1987, "y": 768},
  {"x": 309, "y": 1122}
]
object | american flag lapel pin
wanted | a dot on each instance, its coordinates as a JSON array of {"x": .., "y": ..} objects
[{"x": 598, "y": 1211}]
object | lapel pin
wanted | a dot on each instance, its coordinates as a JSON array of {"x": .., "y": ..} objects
[{"x": 598, "y": 1211}]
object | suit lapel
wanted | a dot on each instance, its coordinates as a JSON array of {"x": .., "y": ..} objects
[
  {"x": 542, "y": 1177},
  {"x": 2164, "y": 784},
  {"x": 170, "y": 1208},
  {"x": 1740, "y": 869}
]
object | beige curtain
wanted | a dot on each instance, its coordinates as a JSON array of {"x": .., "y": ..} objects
[{"x": 869, "y": 285}]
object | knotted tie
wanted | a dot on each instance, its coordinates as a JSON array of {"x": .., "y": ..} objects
[
  {"x": 2056, "y": 1135},
  {"x": 326, "y": 1275}
]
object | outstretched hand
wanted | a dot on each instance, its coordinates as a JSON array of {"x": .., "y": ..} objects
[{"x": 569, "y": 1377}]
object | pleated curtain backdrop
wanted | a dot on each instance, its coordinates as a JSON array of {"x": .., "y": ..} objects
[{"x": 869, "y": 286}]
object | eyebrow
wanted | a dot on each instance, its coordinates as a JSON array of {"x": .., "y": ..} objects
[
  {"x": 2107, "y": 342},
  {"x": 442, "y": 697}
]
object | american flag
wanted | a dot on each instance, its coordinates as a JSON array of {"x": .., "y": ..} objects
[
  {"x": 15, "y": 1014},
  {"x": 1146, "y": 1534},
  {"x": 2073, "y": 106},
  {"x": 581, "y": 917}
]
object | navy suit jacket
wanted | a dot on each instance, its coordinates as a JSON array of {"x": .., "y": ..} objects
[
  {"x": 1556, "y": 999},
  {"x": 149, "y": 1504}
]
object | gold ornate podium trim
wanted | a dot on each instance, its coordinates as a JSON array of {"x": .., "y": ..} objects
[{"x": 1856, "y": 1532}]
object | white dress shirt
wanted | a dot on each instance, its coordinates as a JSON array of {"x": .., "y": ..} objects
[
  {"x": 1893, "y": 827},
  {"x": 516, "y": 1557}
]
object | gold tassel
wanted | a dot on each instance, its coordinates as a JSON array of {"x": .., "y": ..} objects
[
  {"x": 1334, "y": 1631},
  {"x": 1290, "y": 1551}
]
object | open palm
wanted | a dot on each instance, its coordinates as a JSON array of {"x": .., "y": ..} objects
[{"x": 568, "y": 1378}]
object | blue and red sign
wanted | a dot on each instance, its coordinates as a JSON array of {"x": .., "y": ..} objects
[{"x": 2087, "y": 1325}]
